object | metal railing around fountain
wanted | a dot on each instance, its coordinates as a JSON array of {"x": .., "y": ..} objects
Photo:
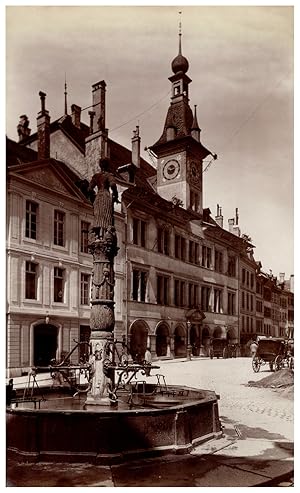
[{"x": 122, "y": 370}]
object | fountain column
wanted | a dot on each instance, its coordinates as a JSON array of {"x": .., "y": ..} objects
[{"x": 103, "y": 247}]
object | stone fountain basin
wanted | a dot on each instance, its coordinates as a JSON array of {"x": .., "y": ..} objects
[{"x": 159, "y": 422}]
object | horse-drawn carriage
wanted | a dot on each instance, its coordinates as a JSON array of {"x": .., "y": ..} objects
[
  {"x": 220, "y": 348},
  {"x": 274, "y": 351}
]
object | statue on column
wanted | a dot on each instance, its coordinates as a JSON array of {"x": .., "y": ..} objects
[
  {"x": 103, "y": 203},
  {"x": 103, "y": 247}
]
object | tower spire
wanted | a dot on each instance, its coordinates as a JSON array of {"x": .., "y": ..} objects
[
  {"x": 195, "y": 130},
  {"x": 66, "y": 105}
]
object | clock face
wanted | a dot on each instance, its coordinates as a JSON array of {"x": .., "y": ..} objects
[
  {"x": 195, "y": 172},
  {"x": 171, "y": 169}
]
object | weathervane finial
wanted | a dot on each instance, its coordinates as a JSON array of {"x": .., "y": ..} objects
[
  {"x": 180, "y": 12},
  {"x": 66, "y": 105}
]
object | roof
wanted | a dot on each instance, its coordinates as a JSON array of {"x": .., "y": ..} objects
[
  {"x": 77, "y": 135},
  {"x": 18, "y": 154},
  {"x": 119, "y": 155}
]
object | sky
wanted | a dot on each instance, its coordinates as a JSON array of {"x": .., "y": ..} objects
[{"x": 241, "y": 65}]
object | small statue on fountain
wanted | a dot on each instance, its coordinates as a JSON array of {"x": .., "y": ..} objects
[{"x": 103, "y": 204}]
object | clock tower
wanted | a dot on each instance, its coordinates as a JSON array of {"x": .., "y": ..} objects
[{"x": 179, "y": 152}]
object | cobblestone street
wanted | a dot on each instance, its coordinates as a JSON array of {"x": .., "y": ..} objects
[
  {"x": 256, "y": 449},
  {"x": 260, "y": 407}
]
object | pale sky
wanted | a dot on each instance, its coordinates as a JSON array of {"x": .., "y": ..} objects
[{"x": 241, "y": 66}]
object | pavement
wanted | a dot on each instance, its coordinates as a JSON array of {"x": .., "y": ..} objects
[{"x": 256, "y": 449}]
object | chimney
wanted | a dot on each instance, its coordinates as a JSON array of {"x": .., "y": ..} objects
[
  {"x": 96, "y": 144},
  {"x": 76, "y": 114},
  {"x": 136, "y": 146},
  {"x": 230, "y": 225},
  {"x": 219, "y": 217},
  {"x": 99, "y": 104},
  {"x": 43, "y": 130},
  {"x": 236, "y": 231},
  {"x": 281, "y": 277},
  {"x": 22, "y": 128}
]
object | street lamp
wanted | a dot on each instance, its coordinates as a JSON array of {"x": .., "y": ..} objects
[{"x": 188, "y": 347}]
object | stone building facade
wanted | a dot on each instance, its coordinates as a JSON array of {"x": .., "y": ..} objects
[{"x": 181, "y": 278}]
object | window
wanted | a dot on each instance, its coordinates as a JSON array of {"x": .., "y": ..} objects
[
  {"x": 59, "y": 228},
  {"x": 162, "y": 290},
  {"x": 252, "y": 280},
  {"x": 139, "y": 232},
  {"x": 267, "y": 294},
  {"x": 193, "y": 295},
  {"x": 231, "y": 303},
  {"x": 193, "y": 252},
  {"x": 205, "y": 294},
  {"x": 247, "y": 301},
  {"x": 218, "y": 301},
  {"x": 177, "y": 246},
  {"x": 206, "y": 256},
  {"x": 243, "y": 322},
  {"x": 179, "y": 292},
  {"x": 218, "y": 261},
  {"x": 85, "y": 334},
  {"x": 259, "y": 306},
  {"x": 84, "y": 289},
  {"x": 251, "y": 302},
  {"x": 247, "y": 274},
  {"x": 243, "y": 276},
  {"x": 31, "y": 219},
  {"x": 231, "y": 267},
  {"x": 180, "y": 251},
  {"x": 163, "y": 241},
  {"x": 31, "y": 281},
  {"x": 84, "y": 236},
  {"x": 139, "y": 285},
  {"x": 58, "y": 284}
]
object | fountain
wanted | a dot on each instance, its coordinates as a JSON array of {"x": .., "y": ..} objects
[{"x": 110, "y": 413}]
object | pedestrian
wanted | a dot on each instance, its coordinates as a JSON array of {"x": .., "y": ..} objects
[
  {"x": 253, "y": 348},
  {"x": 148, "y": 360}
]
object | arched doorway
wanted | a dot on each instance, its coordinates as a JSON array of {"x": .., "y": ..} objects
[
  {"x": 179, "y": 341},
  {"x": 45, "y": 344},
  {"x": 232, "y": 336},
  {"x": 218, "y": 333},
  {"x": 162, "y": 338},
  {"x": 138, "y": 340},
  {"x": 195, "y": 340}
]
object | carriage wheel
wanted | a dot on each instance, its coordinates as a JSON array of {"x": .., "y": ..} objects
[
  {"x": 256, "y": 364},
  {"x": 278, "y": 362}
]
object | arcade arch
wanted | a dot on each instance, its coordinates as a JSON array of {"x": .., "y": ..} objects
[
  {"x": 179, "y": 341},
  {"x": 162, "y": 339},
  {"x": 138, "y": 339}
]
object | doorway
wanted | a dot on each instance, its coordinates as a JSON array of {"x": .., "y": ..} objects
[{"x": 45, "y": 344}]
